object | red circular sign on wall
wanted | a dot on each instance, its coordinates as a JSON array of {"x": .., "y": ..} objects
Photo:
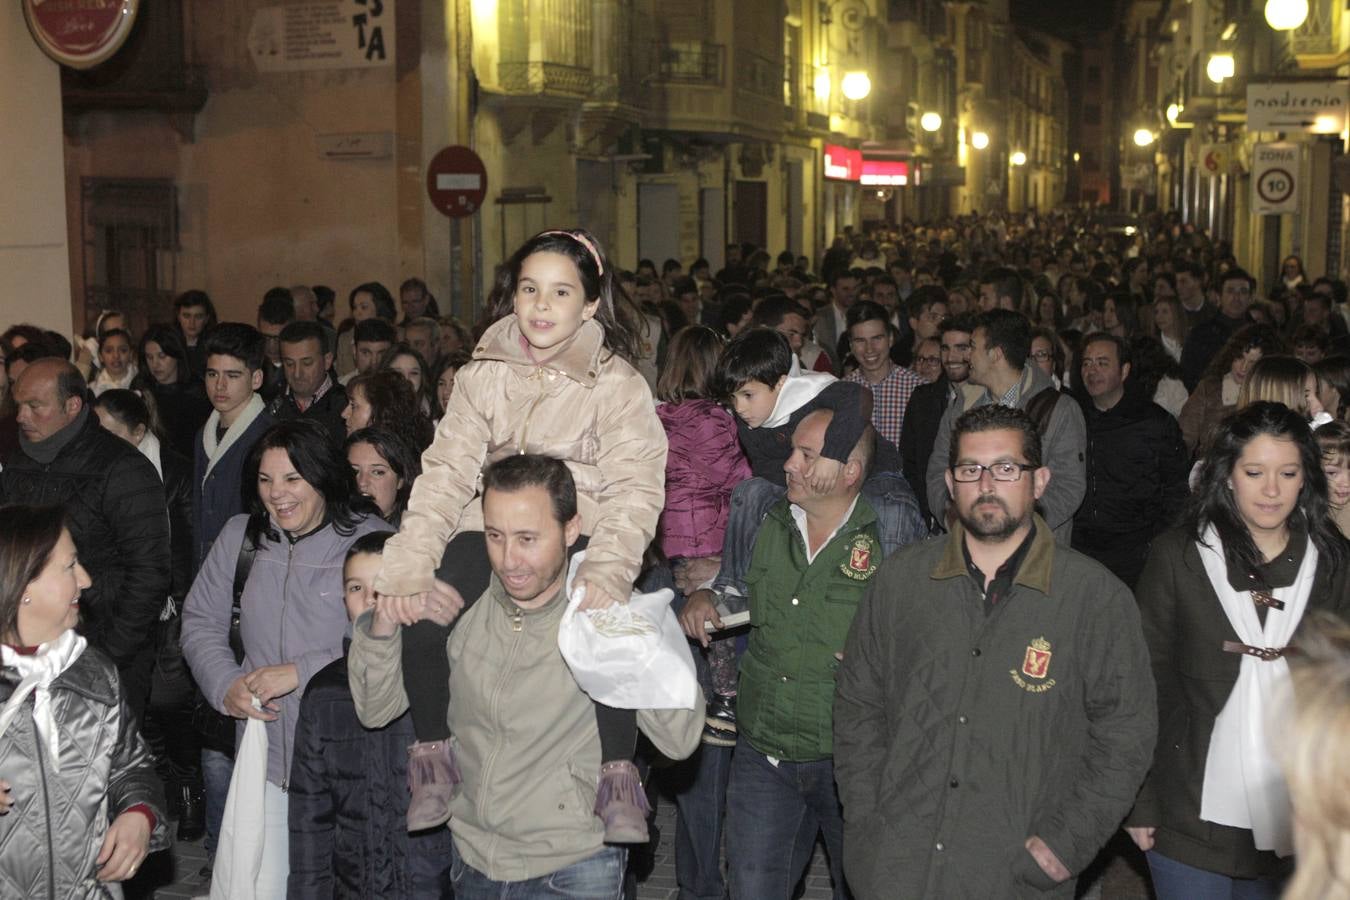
[
  {"x": 78, "y": 33},
  {"x": 456, "y": 181}
]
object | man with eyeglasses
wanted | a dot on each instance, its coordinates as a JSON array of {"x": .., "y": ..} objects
[
  {"x": 994, "y": 712},
  {"x": 1136, "y": 463},
  {"x": 1001, "y": 373}
]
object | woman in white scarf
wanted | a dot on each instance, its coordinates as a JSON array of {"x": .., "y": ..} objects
[
  {"x": 1220, "y": 598},
  {"x": 80, "y": 802}
]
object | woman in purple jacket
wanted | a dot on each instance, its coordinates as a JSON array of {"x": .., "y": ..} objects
[
  {"x": 304, "y": 515},
  {"x": 703, "y": 463}
]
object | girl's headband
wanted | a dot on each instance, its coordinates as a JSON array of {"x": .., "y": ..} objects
[{"x": 583, "y": 241}]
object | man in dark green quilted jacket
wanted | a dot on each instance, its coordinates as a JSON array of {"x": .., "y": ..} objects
[
  {"x": 813, "y": 557},
  {"x": 995, "y": 712}
]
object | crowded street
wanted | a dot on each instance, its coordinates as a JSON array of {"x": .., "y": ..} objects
[{"x": 738, "y": 450}]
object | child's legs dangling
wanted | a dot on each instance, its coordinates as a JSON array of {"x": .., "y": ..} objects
[
  {"x": 432, "y": 772},
  {"x": 620, "y": 800}
]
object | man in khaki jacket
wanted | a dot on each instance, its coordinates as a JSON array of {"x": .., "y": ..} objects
[{"x": 524, "y": 734}]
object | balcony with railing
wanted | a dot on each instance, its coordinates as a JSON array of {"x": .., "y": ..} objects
[{"x": 542, "y": 48}]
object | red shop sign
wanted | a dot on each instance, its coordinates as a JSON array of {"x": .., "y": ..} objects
[
  {"x": 843, "y": 164},
  {"x": 80, "y": 33}
]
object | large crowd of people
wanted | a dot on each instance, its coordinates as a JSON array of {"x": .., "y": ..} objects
[{"x": 991, "y": 540}]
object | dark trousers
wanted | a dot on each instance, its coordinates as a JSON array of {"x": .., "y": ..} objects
[
  {"x": 774, "y": 813},
  {"x": 426, "y": 668}
]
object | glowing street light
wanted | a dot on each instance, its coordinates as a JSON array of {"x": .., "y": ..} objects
[
  {"x": 1018, "y": 158},
  {"x": 930, "y": 121},
  {"x": 1143, "y": 137},
  {"x": 821, "y": 84},
  {"x": 1219, "y": 67},
  {"x": 856, "y": 85},
  {"x": 1286, "y": 15},
  {"x": 1173, "y": 113},
  {"x": 979, "y": 140}
]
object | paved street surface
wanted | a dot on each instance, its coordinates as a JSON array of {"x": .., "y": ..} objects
[{"x": 179, "y": 875}]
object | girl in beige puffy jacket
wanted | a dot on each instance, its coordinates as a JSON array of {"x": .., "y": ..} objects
[{"x": 549, "y": 377}]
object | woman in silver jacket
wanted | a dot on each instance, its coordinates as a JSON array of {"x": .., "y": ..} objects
[
  {"x": 80, "y": 804},
  {"x": 304, "y": 512}
]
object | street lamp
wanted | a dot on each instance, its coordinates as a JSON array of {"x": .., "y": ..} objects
[
  {"x": 979, "y": 140},
  {"x": 1219, "y": 67},
  {"x": 1286, "y": 15},
  {"x": 1143, "y": 137},
  {"x": 1018, "y": 158},
  {"x": 1173, "y": 113},
  {"x": 930, "y": 121},
  {"x": 856, "y": 85}
]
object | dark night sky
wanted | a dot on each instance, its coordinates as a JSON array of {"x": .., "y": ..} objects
[{"x": 1063, "y": 16}]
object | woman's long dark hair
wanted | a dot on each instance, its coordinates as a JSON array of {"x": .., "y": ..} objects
[
  {"x": 394, "y": 406},
  {"x": 1248, "y": 337},
  {"x": 1213, "y": 502},
  {"x": 394, "y": 450},
  {"x": 28, "y": 535},
  {"x": 170, "y": 340},
  {"x": 614, "y": 311},
  {"x": 317, "y": 461}
]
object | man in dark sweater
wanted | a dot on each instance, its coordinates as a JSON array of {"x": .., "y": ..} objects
[
  {"x": 1208, "y": 338},
  {"x": 930, "y": 401},
  {"x": 311, "y": 391}
]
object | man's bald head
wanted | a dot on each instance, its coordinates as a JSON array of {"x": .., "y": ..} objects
[
  {"x": 49, "y": 396},
  {"x": 808, "y": 440}
]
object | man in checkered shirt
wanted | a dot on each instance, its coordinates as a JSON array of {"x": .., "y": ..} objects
[{"x": 869, "y": 339}]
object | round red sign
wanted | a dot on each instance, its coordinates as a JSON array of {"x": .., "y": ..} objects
[
  {"x": 79, "y": 33},
  {"x": 456, "y": 181}
]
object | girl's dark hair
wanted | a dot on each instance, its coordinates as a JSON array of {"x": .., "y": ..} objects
[
  {"x": 170, "y": 340},
  {"x": 457, "y": 360},
  {"x": 28, "y": 535},
  {"x": 393, "y": 406},
  {"x": 1248, "y": 337},
  {"x": 691, "y": 360},
  {"x": 756, "y": 354},
  {"x": 394, "y": 450},
  {"x": 197, "y": 298},
  {"x": 1213, "y": 503},
  {"x": 318, "y": 462},
  {"x": 1151, "y": 363},
  {"x": 614, "y": 308},
  {"x": 425, "y": 394},
  {"x": 129, "y": 408},
  {"x": 1335, "y": 371},
  {"x": 384, "y": 301},
  {"x": 370, "y": 542},
  {"x": 1127, "y": 311},
  {"x": 733, "y": 310},
  {"x": 112, "y": 333}
]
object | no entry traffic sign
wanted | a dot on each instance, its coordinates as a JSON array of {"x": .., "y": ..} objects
[{"x": 456, "y": 181}]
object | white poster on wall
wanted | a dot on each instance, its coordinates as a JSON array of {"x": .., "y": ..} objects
[
  {"x": 322, "y": 34},
  {"x": 1275, "y": 175}
]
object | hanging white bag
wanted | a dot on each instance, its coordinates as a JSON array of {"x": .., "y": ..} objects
[
  {"x": 630, "y": 656},
  {"x": 239, "y": 851}
]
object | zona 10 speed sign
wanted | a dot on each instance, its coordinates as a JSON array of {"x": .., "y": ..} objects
[{"x": 1275, "y": 175}]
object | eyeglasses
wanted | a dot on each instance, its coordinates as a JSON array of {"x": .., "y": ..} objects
[
  {"x": 928, "y": 360},
  {"x": 1042, "y": 355},
  {"x": 1001, "y": 471}
]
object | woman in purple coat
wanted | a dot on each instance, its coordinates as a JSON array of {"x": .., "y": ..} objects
[{"x": 703, "y": 463}]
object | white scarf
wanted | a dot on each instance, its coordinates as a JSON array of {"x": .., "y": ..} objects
[
  {"x": 149, "y": 447},
  {"x": 1244, "y": 786},
  {"x": 37, "y": 672},
  {"x": 215, "y": 450}
]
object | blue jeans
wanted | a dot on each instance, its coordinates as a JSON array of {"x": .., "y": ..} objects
[
  {"x": 899, "y": 521},
  {"x": 217, "y": 768},
  {"x": 1174, "y": 880},
  {"x": 598, "y": 877},
  {"x": 700, "y": 786},
  {"x": 774, "y": 813}
]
